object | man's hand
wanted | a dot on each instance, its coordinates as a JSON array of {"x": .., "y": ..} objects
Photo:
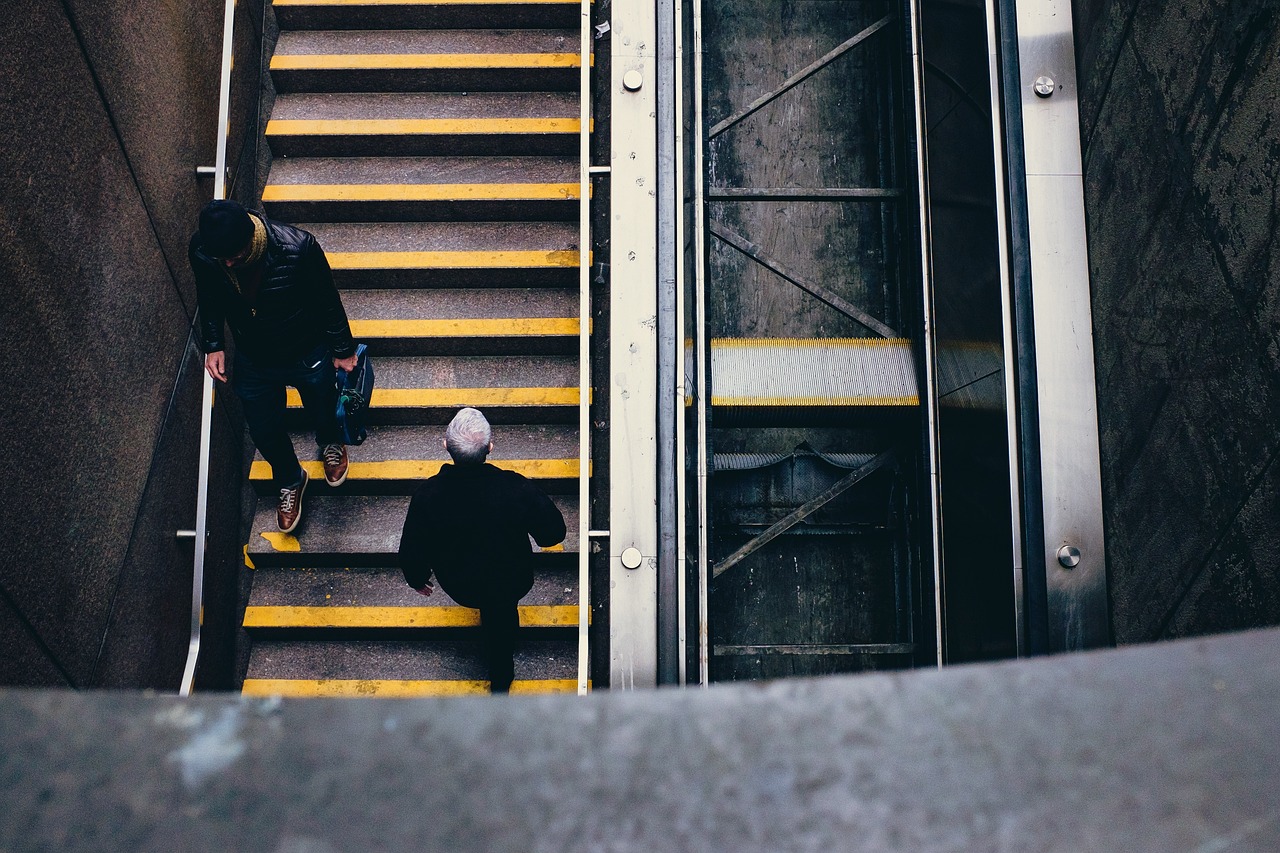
[
  {"x": 425, "y": 589},
  {"x": 216, "y": 364},
  {"x": 348, "y": 364}
]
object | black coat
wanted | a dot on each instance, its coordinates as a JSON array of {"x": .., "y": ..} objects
[
  {"x": 297, "y": 307},
  {"x": 470, "y": 526}
]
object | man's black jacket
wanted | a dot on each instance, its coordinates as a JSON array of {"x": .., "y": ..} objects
[
  {"x": 470, "y": 525},
  {"x": 297, "y": 306}
]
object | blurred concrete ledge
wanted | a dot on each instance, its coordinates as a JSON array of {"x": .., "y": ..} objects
[{"x": 1158, "y": 748}]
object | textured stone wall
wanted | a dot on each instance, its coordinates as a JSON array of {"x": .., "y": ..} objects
[
  {"x": 107, "y": 109},
  {"x": 1182, "y": 170}
]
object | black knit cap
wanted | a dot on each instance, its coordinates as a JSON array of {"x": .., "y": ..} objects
[{"x": 225, "y": 229}]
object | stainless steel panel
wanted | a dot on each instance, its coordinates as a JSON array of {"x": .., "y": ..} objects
[
  {"x": 633, "y": 523},
  {"x": 1070, "y": 462}
]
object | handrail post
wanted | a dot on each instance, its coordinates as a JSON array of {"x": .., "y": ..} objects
[
  {"x": 206, "y": 411},
  {"x": 584, "y": 343}
]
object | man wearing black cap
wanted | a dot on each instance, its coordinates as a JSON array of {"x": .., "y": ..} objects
[{"x": 270, "y": 283}]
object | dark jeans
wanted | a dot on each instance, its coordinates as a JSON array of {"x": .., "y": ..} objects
[
  {"x": 262, "y": 392},
  {"x": 499, "y": 630}
]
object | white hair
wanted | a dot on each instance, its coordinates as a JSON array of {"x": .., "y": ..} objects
[{"x": 468, "y": 436}]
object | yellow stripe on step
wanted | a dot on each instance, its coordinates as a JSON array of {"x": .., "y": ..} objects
[
  {"x": 560, "y": 258},
  {"x": 413, "y": 469},
  {"x": 453, "y": 616},
  {"x": 420, "y": 192},
  {"x": 366, "y": 688},
  {"x": 419, "y": 61},
  {"x": 413, "y": 398},
  {"x": 419, "y": 126},
  {"x": 424, "y": 2},
  {"x": 506, "y": 327}
]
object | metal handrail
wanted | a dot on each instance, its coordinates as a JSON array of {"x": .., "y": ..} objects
[
  {"x": 700, "y": 346},
  {"x": 206, "y": 411},
  {"x": 584, "y": 342}
]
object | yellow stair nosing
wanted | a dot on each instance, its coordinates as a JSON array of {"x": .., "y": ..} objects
[
  {"x": 439, "y": 616},
  {"x": 421, "y": 126},
  {"x": 425, "y": 2},
  {"x": 421, "y": 61},
  {"x": 501, "y": 327},
  {"x": 492, "y": 259},
  {"x": 421, "y": 192},
  {"x": 395, "y": 688},
  {"x": 414, "y": 469},
  {"x": 456, "y": 397}
]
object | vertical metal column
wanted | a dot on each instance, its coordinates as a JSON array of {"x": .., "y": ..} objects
[
  {"x": 669, "y": 568},
  {"x": 929, "y": 395},
  {"x": 633, "y": 346},
  {"x": 1072, "y": 555},
  {"x": 584, "y": 344},
  {"x": 1007, "y": 327},
  {"x": 700, "y": 351}
]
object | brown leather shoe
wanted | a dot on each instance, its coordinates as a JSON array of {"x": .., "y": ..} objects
[
  {"x": 335, "y": 464},
  {"x": 289, "y": 512}
]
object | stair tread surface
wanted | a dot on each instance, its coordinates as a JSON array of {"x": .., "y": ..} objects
[
  {"x": 392, "y": 106},
  {"x": 375, "y": 586},
  {"x": 460, "y": 304},
  {"x": 404, "y": 659},
  {"x": 423, "y": 170},
  {"x": 414, "y": 14},
  {"x": 301, "y": 43},
  {"x": 510, "y": 442},
  {"x": 348, "y": 530},
  {"x": 471, "y": 237}
]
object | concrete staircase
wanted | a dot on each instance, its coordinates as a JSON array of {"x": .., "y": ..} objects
[{"x": 431, "y": 147}]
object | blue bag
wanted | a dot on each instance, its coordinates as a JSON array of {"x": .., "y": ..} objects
[{"x": 355, "y": 389}]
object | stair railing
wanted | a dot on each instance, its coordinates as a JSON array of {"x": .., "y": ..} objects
[
  {"x": 584, "y": 341},
  {"x": 201, "y": 532}
]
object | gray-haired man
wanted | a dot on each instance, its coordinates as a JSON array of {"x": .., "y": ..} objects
[{"x": 469, "y": 525}]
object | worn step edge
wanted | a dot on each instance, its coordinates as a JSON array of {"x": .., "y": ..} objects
[
  {"x": 551, "y": 259},
  {"x": 391, "y": 689},
  {"x": 411, "y": 398},
  {"x": 415, "y": 469},
  {"x": 421, "y": 61},
  {"x": 421, "y": 126},
  {"x": 419, "y": 192},
  {"x": 452, "y": 616},
  {"x": 500, "y": 327}
]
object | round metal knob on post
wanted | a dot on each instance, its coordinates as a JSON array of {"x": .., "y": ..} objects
[
  {"x": 1044, "y": 86},
  {"x": 1068, "y": 556},
  {"x": 631, "y": 558},
  {"x": 632, "y": 80}
]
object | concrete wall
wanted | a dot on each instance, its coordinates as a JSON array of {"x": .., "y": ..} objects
[
  {"x": 108, "y": 107},
  {"x": 1182, "y": 178}
]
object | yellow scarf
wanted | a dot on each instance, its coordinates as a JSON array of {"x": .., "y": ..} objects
[{"x": 257, "y": 246}]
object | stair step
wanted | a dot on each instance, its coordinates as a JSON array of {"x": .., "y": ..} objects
[
  {"x": 348, "y": 530},
  {"x": 282, "y": 617},
  {"x": 382, "y": 587},
  {"x": 486, "y": 322},
  {"x": 533, "y": 389},
  {"x": 391, "y": 124},
  {"x": 363, "y": 688},
  {"x": 423, "y": 14},
  {"x": 395, "y": 458},
  {"x": 451, "y": 255},
  {"x": 537, "y": 659},
  {"x": 426, "y": 60},
  {"x": 368, "y": 189}
]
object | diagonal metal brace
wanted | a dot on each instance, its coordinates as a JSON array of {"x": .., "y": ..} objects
[
  {"x": 798, "y": 77},
  {"x": 802, "y": 512},
  {"x": 754, "y": 252}
]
